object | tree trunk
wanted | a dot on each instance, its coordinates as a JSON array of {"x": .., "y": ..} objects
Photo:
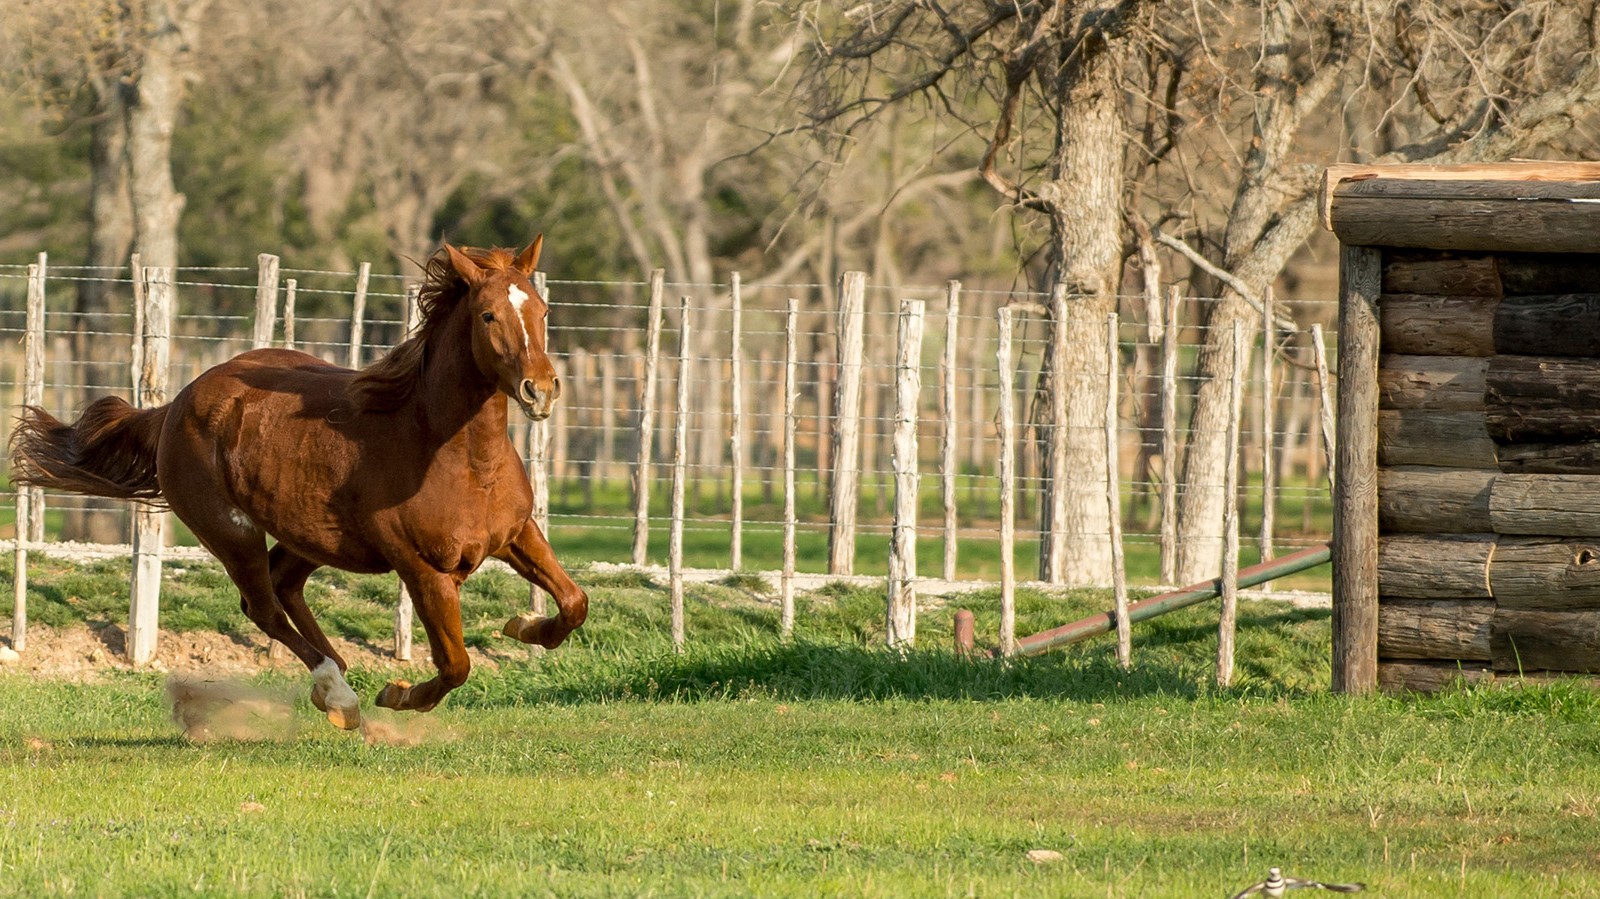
[
  {"x": 1085, "y": 198},
  {"x": 110, "y": 240},
  {"x": 152, "y": 110}
]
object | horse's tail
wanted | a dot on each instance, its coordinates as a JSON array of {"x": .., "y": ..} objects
[{"x": 109, "y": 451}]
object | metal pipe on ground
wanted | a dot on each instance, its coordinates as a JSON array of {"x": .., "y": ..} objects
[{"x": 1106, "y": 622}]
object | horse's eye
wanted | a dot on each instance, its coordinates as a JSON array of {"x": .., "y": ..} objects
[{"x": 488, "y": 316}]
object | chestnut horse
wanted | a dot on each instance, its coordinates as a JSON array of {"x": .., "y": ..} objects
[{"x": 403, "y": 466}]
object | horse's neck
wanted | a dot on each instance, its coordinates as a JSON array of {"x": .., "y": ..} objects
[{"x": 456, "y": 399}]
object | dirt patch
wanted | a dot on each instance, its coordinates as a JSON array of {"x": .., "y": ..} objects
[{"x": 85, "y": 653}]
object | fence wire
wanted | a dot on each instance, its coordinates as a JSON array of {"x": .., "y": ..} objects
[{"x": 597, "y": 336}]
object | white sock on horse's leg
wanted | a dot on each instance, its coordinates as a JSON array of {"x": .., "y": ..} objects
[{"x": 341, "y": 703}]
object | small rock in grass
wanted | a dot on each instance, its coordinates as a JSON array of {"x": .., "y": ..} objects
[
  {"x": 8, "y": 655},
  {"x": 1043, "y": 856},
  {"x": 252, "y": 807}
]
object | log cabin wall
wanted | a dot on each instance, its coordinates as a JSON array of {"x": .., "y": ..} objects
[{"x": 1487, "y": 418}]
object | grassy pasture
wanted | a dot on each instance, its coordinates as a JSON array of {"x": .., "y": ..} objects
[{"x": 746, "y": 766}]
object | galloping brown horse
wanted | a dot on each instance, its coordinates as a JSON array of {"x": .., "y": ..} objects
[{"x": 402, "y": 466}]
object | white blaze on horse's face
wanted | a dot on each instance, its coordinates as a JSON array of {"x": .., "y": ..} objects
[
  {"x": 518, "y": 299},
  {"x": 510, "y": 343}
]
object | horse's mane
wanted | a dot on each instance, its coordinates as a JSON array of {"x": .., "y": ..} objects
[{"x": 387, "y": 383}]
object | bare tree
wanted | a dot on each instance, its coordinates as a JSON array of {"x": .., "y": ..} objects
[
  {"x": 1308, "y": 83},
  {"x": 1042, "y": 84},
  {"x": 123, "y": 65},
  {"x": 1208, "y": 125}
]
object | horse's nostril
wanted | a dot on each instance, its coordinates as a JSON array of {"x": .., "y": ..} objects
[{"x": 529, "y": 394}]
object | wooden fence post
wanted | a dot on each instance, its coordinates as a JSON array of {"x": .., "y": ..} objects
[
  {"x": 149, "y": 525},
  {"x": 266, "y": 301},
  {"x": 647, "y": 422},
  {"x": 1008, "y": 486},
  {"x": 1119, "y": 575},
  {"x": 1355, "y": 491},
  {"x": 947, "y": 456},
  {"x": 358, "y": 314},
  {"x": 290, "y": 286},
  {"x": 539, "y": 442},
  {"x": 30, "y": 500},
  {"x": 1169, "y": 437},
  {"x": 539, "y": 433},
  {"x": 736, "y": 442},
  {"x": 404, "y": 610},
  {"x": 1325, "y": 408},
  {"x": 1269, "y": 471},
  {"x": 1230, "y": 513},
  {"x": 1053, "y": 549},
  {"x": 790, "y": 394},
  {"x": 680, "y": 460},
  {"x": 901, "y": 619},
  {"x": 847, "y": 425}
]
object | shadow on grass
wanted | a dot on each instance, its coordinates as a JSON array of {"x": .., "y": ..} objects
[{"x": 844, "y": 672}]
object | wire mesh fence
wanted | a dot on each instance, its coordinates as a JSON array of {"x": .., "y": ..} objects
[{"x": 585, "y": 457}]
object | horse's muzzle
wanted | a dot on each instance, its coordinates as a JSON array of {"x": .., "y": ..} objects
[{"x": 538, "y": 400}]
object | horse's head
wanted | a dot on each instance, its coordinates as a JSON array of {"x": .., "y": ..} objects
[{"x": 508, "y": 328}]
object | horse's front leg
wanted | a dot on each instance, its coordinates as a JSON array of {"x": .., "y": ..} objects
[
  {"x": 530, "y": 555},
  {"x": 438, "y": 603}
]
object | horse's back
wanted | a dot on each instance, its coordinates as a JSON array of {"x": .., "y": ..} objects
[{"x": 267, "y": 435}]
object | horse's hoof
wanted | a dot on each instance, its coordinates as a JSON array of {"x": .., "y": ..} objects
[
  {"x": 392, "y": 694},
  {"x": 345, "y": 719},
  {"x": 536, "y": 630},
  {"x": 333, "y": 696},
  {"x": 522, "y": 627}
]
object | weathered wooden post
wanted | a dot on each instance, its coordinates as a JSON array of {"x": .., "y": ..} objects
[
  {"x": 30, "y": 500},
  {"x": 951, "y": 434},
  {"x": 358, "y": 314},
  {"x": 36, "y": 494},
  {"x": 680, "y": 471},
  {"x": 901, "y": 620},
  {"x": 149, "y": 525},
  {"x": 1325, "y": 413},
  {"x": 1230, "y": 513},
  {"x": 647, "y": 422},
  {"x": 1053, "y": 520},
  {"x": 1269, "y": 399},
  {"x": 736, "y": 439},
  {"x": 266, "y": 301},
  {"x": 791, "y": 361},
  {"x": 1169, "y": 436},
  {"x": 847, "y": 425},
  {"x": 1355, "y": 490},
  {"x": 1008, "y": 486},
  {"x": 1119, "y": 575},
  {"x": 539, "y": 464},
  {"x": 290, "y": 287}
]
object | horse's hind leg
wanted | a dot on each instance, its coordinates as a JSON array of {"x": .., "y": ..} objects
[
  {"x": 530, "y": 555},
  {"x": 250, "y": 571},
  {"x": 241, "y": 547},
  {"x": 438, "y": 601},
  {"x": 289, "y": 573}
]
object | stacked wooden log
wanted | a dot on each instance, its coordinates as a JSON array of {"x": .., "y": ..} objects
[{"x": 1488, "y": 466}]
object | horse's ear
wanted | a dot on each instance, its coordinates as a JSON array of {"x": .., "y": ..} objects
[
  {"x": 464, "y": 266},
  {"x": 528, "y": 260}
]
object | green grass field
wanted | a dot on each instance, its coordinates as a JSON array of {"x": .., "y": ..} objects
[{"x": 823, "y": 766}]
